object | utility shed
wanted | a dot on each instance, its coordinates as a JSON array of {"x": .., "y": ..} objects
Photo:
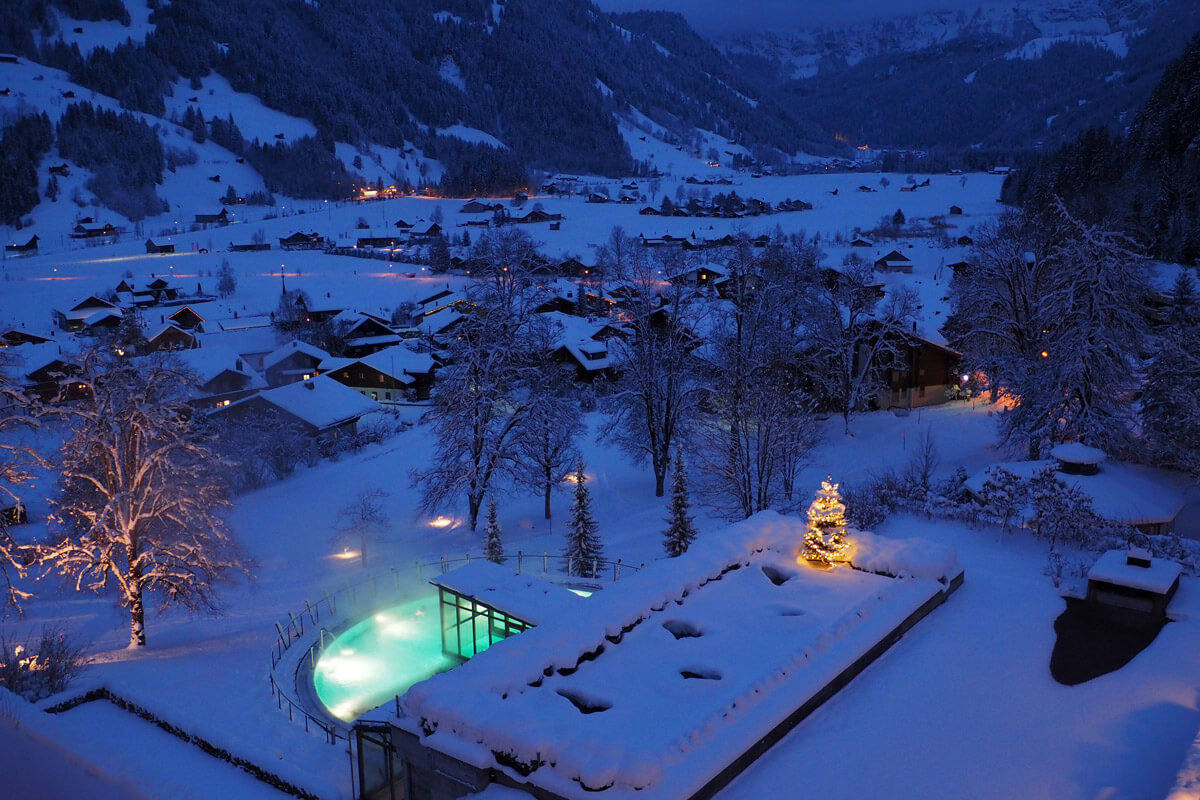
[{"x": 1133, "y": 579}]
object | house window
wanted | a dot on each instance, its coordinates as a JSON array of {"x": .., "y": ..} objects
[{"x": 387, "y": 395}]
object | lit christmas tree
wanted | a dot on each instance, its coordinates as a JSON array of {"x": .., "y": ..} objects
[{"x": 825, "y": 540}]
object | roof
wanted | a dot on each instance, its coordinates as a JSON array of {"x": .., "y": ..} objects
[
  {"x": 321, "y": 402},
  {"x": 525, "y": 597},
  {"x": 291, "y": 348},
  {"x": 651, "y": 686},
  {"x": 1112, "y": 567},
  {"x": 211, "y": 361},
  {"x": 397, "y": 362},
  {"x": 243, "y": 323}
]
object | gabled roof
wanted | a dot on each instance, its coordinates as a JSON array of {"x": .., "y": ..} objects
[
  {"x": 396, "y": 362},
  {"x": 321, "y": 402},
  {"x": 210, "y": 362},
  {"x": 291, "y": 348}
]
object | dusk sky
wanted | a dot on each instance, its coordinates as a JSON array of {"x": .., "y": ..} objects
[{"x": 717, "y": 16}]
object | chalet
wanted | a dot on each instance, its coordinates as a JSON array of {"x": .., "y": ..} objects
[
  {"x": 432, "y": 231},
  {"x": 46, "y": 375},
  {"x": 365, "y": 334},
  {"x": 444, "y": 300},
  {"x": 701, "y": 275},
  {"x": 924, "y": 373},
  {"x": 537, "y": 216},
  {"x": 573, "y": 268},
  {"x": 582, "y": 343},
  {"x": 386, "y": 376},
  {"x": 29, "y": 248},
  {"x": 965, "y": 241},
  {"x": 152, "y": 247},
  {"x": 650, "y": 211},
  {"x": 402, "y": 224},
  {"x": 15, "y": 338},
  {"x": 107, "y": 231},
  {"x": 596, "y": 197},
  {"x": 860, "y": 242},
  {"x": 377, "y": 241},
  {"x": 293, "y": 362},
  {"x": 222, "y": 376},
  {"x": 321, "y": 407},
  {"x": 249, "y": 248},
  {"x": 304, "y": 241},
  {"x": 476, "y": 206},
  {"x": 187, "y": 319},
  {"x": 309, "y": 309},
  {"x": 220, "y": 218},
  {"x": 87, "y": 313},
  {"x": 156, "y": 291},
  {"x": 170, "y": 336},
  {"x": 955, "y": 211},
  {"x": 895, "y": 261}
]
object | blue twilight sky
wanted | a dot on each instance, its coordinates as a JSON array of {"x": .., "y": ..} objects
[{"x": 710, "y": 17}]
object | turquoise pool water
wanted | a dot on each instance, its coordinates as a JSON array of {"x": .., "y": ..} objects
[{"x": 380, "y": 657}]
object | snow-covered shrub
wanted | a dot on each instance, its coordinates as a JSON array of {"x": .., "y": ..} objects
[
  {"x": 866, "y": 506},
  {"x": 37, "y": 670},
  {"x": 1003, "y": 496}
]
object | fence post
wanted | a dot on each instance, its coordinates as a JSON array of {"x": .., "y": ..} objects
[
  {"x": 311, "y": 615},
  {"x": 520, "y": 561},
  {"x": 545, "y": 562},
  {"x": 298, "y": 625},
  {"x": 617, "y": 571}
]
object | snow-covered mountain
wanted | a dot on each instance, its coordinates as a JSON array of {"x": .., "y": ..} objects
[
  {"x": 807, "y": 52},
  {"x": 993, "y": 76}
]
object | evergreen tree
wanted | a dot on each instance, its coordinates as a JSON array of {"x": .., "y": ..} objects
[
  {"x": 681, "y": 526},
  {"x": 1171, "y": 397},
  {"x": 493, "y": 547},
  {"x": 439, "y": 254},
  {"x": 226, "y": 279},
  {"x": 825, "y": 539},
  {"x": 583, "y": 544}
]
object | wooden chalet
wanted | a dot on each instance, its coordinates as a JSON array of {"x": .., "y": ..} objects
[
  {"x": 477, "y": 206},
  {"x": 170, "y": 336},
  {"x": 50, "y": 378},
  {"x": 861, "y": 242},
  {"x": 922, "y": 374},
  {"x": 29, "y": 248},
  {"x": 536, "y": 216},
  {"x": 426, "y": 234},
  {"x": 187, "y": 319},
  {"x": 156, "y": 291},
  {"x": 304, "y": 241},
  {"x": 220, "y": 218},
  {"x": 895, "y": 261},
  {"x": 90, "y": 312},
  {"x": 402, "y": 224},
  {"x": 366, "y": 334},
  {"x": 378, "y": 241},
  {"x": 107, "y": 231},
  {"x": 152, "y": 247},
  {"x": 320, "y": 407},
  {"x": 15, "y": 338},
  {"x": 222, "y": 376},
  {"x": 387, "y": 376},
  {"x": 955, "y": 211},
  {"x": 293, "y": 362}
]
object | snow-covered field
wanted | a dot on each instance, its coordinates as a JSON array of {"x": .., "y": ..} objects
[{"x": 963, "y": 706}]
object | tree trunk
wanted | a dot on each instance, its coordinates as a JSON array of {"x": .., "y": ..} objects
[
  {"x": 549, "y": 487},
  {"x": 659, "y": 479},
  {"x": 137, "y": 610}
]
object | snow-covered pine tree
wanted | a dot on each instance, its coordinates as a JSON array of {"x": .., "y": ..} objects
[
  {"x": 493, "y": 547},
  {"x": 583, "y": 548},
  {"x": 825, "y": 539},
  {"x": 681, "y": 526},
  {"x": 1171, "y": 396}
]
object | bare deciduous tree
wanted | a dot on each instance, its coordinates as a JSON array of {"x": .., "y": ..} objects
[{"x": 141, "y": 495}]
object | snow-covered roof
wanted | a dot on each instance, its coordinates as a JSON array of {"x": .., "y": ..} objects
[
  {"x": 291, "y": 348},
  {"x": 210, "y": 361},
  {"x": 525, "y": 597},
  {"x": 653, "y": 685},
  {"x": 243, "y": 323},
  {"x": 1077, "y": 453},
  {"x": 396, "y": 362},
  {"x": 1112, "y": 567},
  {"x": 321, "y": 402},
  {"x": 1119, "y": 491}
]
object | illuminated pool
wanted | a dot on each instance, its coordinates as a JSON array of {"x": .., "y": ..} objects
[{"x": 381, "y": 657}]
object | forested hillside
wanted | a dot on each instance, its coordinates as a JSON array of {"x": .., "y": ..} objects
[
  {"x": 1147, "y": 183},
  {"x": 546, "y": 78}
]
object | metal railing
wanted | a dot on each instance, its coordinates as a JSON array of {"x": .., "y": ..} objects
[{"x": 298, "y": 624}]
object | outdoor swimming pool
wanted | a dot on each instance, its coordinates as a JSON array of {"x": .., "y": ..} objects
[{"x": 381, "y": 657}]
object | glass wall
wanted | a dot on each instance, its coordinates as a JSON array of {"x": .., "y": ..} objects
[{"x": 469, "y": 627}]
